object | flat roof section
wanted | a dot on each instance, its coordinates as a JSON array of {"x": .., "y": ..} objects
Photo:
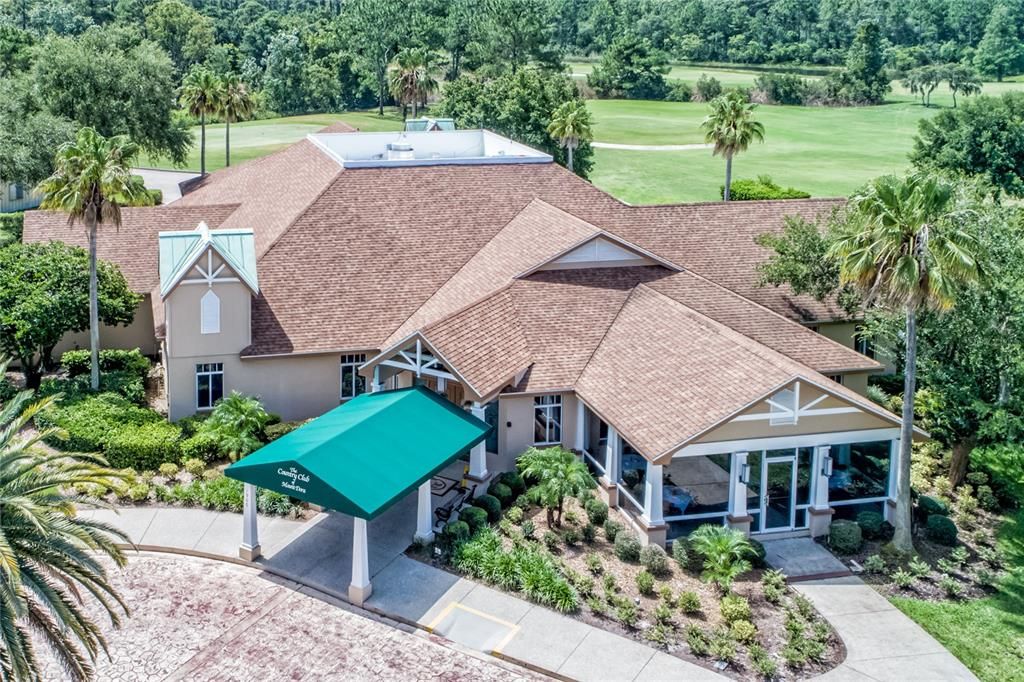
[{"x": 424, "y": 148}]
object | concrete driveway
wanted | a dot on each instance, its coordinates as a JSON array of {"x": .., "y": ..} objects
[{"x": 165, "y": 180}]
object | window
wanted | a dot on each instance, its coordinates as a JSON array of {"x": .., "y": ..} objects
[
  {"x": 860, "y": 471},
  {"x": 838, "y": 378},
  {"x": 632, "y": 478},
  {"x": 783, "y": 408},
  {"x": 15, "y": 191},
  {"x": 209, "y": 384},
  {"x": 862, "y": 342},
  {"x": 547, "y": 419},
  {"x": 595, "y": 442},
  {"x": 209, "y": 313},
  {"x": 352, "y": 383}
]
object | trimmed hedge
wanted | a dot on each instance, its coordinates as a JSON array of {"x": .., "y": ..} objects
[
  {"x": 201, "y": 446},
  {"x": 77, "y": 362},
  {"x": 942, "y": 530},
  {"x": 928, "y": 506},
  {"x": 90, "y": 421},
  {"x": 276, "y": 430},
  {"x": 491, "y": 505},
  {"x": 627, "y": 547},
  {"x": 761, "y": 189},
  {"x": 144, "y": 447},
  {"x": 502, "y": 492},
  {"x": 13, "y": 223},
  {"x": 475, "y": 518},
  {"x": 514, "y": 482},
  {"x": 844, "y": 537}
]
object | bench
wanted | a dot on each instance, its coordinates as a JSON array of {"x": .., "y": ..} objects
[{"x": 445, "y": 511}]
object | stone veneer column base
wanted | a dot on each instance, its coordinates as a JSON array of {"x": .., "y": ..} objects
[
  {"x": 741, "y": 523},
  {"x": 820, "y": 520},
  {"x": 359, "y": 595},
  {"x": 249, "y": 553}
]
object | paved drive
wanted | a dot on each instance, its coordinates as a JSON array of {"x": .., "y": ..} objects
[
  {"x": 198, "y": 619},
  {"x": 165, "y": 180}
]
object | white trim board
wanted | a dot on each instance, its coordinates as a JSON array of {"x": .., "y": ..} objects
[{"x": 780, "y": 442}]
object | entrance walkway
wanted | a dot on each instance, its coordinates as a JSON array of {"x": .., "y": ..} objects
[{"x": 802, "y": 559}]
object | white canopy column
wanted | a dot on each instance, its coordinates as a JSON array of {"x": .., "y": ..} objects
[
  {"x": 424, "y": 515},
  {"x": 653, "y": 515},
  {"x": 819, "y": 511},
  {"x": 250, "y": 549},
  {"x": 478, "y": 455},
  {"x": 360, "y": 589}
]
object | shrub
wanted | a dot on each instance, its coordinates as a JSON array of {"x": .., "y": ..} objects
[
  {"x": 515, "y": 515},
  {"x": 698, "y": 640},
  {"x": 764, "y": 188},
  {"x": 77, "y": 362},
  {"x": 654, "y": 559},
  {"x": 723, "y": 647},
  {"x": 743, "y": 631},
  {"x": 734, "y": 607},
  {"x": 987, "y": 499},
  {"x": 960, "y": 555},
  {"x": 91, "y": 420},
  {"x": 501, "y": 492},
  {"x": 870, "y": 523},
  {"x": 627, "y": 547},
  {"x": 8, "y": 389},
  {"x": 610, "y": 585},
  {"x": 138, "y": 492},
  {"x": 528, "y": 528},
  {"x": 874, "y": 564},
  {"x": 724, "y": 551},
  {"x": 597, "y": 511},
  {"x": 144, "y": 446},
  {"x": 773, "y": 584},
  {"x": 274, "y": 431},
  {"x": 667, "y": 598},
  {"x": 13, "y": 224},
  {"x": 645, "y": 583},
  {"x": 763, "y": 663},
  {"x": 781, "y": 88},
  {"x": 986, "y": 577},
  {"x": 571, "y": 536},
  {"x": 951, "y": 586},
  {"x": 597, "y": 606},
  {"x": 689, "y": 602},
  {"x": 201, "y": 446},
  {"x": 627, "y": 614},
  {"x": 707, "y": 88},
  {"x": 930, "y": 506},
  {"x": 844, "y": 537},
  {"x": 491, "y": 505},
  {"x": 593, "y": 562},
  {"x": 756, "y": 554},
  {"x": 224, "y": 494},
  {"x": 455, "y": 533},
  {"x": 947, "y": 566},
  {"x": 550, "y": 539},
  {"x": 237, "y": 424},
  {"x": 919, "y": 567},
  {"x": 942, "y": 530},
  {"x": 902, "y": 579},
  {"x": 514, "y": 482},
  {"x": 679, "y": 553},
  {"x": 679, "y": 91},
  {"x": 475, "y": 518},
  {"x": 273, "y": 502},
  {"x": 194, "y": 466},
  {"x": 589, "y": 533},
  {"x": 612, "y": 529}
]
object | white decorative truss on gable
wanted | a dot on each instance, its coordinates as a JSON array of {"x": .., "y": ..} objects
[{"x": 785, "y": 408}]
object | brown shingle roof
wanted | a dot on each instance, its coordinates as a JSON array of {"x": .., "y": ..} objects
[
  {"x": 134, "y": 247},
  {"x": 338, "y": 127}
]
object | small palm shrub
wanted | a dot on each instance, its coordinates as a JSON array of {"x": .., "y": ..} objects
[
  {"x": 724, "y": 551},
  {"x": 645, "y": 583},
  {"x": 559, "y": 474},
  {"x": 734, "y": 608},
  {"x": 689, "y": 602},
  {"x": 654, "y": 559},
  {"x": 237, "y": 425},
  {"x": 627, "y": 547}
]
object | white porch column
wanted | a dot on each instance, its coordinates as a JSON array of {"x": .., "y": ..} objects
[
  {"x": 579, "y": 440},
  {"x": 424, "y": 515},
  {"x": 653, "y": 513},
  {"x": 375, "y": 384},
  {"x": 889, "y": 508},
  {"x": 359, "y": 589},
  {"x": 738, "y": 516},
  {"x": 478, "y": 455},
  {"x": 442, "y": 385},
  {"x": 820, "y": 512},
  {"x": 611, "y": 458},
  {"x": 250, "y": 549}
]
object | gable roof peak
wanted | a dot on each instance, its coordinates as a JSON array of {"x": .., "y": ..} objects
[{"x": 180, "y": 250}]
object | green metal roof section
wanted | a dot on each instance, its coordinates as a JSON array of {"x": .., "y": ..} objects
[
  {"x": 180, "y": 250},
  {"x": 425, "y": 123},
  {"x": 362, "y": 457}
]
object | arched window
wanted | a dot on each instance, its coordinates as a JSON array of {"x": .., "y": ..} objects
[{"x": 209, "y": 306}]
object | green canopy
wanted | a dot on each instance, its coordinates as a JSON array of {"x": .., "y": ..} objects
[{"x": 362, "y": 457}]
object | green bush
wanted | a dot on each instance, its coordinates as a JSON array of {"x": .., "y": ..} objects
[
  {"x": 724, "y": 553},
  {"x": 589, "y": 533},
  {"x": 929, "y": 506},
  {"x": 145, "y": 446},
  {"x": 501, "y": 492},
  {"x": 156, "y": 195},
  {"x": 274, "y": 431},
  {"x": 273, "y": 502},
  {"x": 942, "y": 530},
  {"x": 475, "y": 518},
  {"x": 13, "y": 224},
  {"x": 844, "y": 537},
  {"x": 515, "y": 515},
  {"x": 514, "y": 481},
  {"x": 8, "y": 389},
  {"x": 707, "y": 88},
  {"x": 743, "y": 631},
  {"x": 654, "y": 559},
  {"x": 627, "y": 614},
  {"x": 756, "y": 554},
  {"x": 627, "y": 547},
  {"x": 645, "y": 583},
  {"x": 734, "y": 608},
  {"x": 201, "y": 446},
  {"x": 455, "y": 533},
  {"x": 491, "y": 505},
  {"x": 90, "y": 421},
  {"x": 679, "y": 91},
  {"x": 761, "y": 189},
  {"x": 680, "y": 553},
  {"x": 76, "y": 362},
  {"x": 597, "y": 511},
  {"x": 168, "y": 469},
  {"x": 781, "y": 88},
  {"x": 987, "y": 498},
  {"x": 222, "y": 494},
  {"x": 870, "y": 523},
  {"x": 689, "y": 602},
  {"x": 698, "y": 640},
  {"x": 194, "y": 466},
  {"x": 139, "y": 492},
  {"x": 612, "y": 529}
]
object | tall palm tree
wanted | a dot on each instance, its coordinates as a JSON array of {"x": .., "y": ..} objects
[
  {"x": 559, "y": 474},
  {"x": 570, "y": 125},
  {"x": 730, "y": 126},
  {"x": 902, "y": 243},
  {"x": 201, "y": 93},
  {"x": 412, "y": 78},
  {"x": 236, "y": 104},
  {"x": 50, "y": 556},
  {"x": 92, "y": 179}
]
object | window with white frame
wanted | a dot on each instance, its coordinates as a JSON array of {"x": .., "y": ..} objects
[
  {"x": 16, "y": 191},
  {"x": 209, "y": 313},
  {"x": 547, "y": 419},
  {"x": 783, "y": 408},
  {"x": 209, "y": 384},
  {"x": 838, "y": 378},
  {"x": 352, "y": 383}
]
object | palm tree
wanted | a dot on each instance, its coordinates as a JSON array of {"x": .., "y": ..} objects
[
  {"x": 559, "y": 474},
  {"x": 731, "y": 128},
  {"x": 49, "y": 555},
  {"x": 903, "y": 245},
  {"x": 235, "y": 104},
  {"x": 570, "y": 125},
  {"x": 412, "y": 80},
  {"x": 201, "y": 93},
  {"x": 236, "y": 425},
  {"x": 725, "y": 552},
  {"x": 92, "y": 179}
]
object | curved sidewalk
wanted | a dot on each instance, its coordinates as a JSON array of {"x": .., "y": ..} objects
[{"x": 882, "y": 644}]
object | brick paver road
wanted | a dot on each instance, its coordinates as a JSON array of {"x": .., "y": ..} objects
[{"x": 196, "y": 619}]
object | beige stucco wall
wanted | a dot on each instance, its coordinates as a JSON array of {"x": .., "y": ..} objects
[
  {"x": 840, "y": 332},
  {"x": 518, "y": 409},
  {"x": 743, "y": 430},
  {"x": 182, "y": 315},
  {"x": 139, "y": 334},
  {"x": 856, "y": 382}
]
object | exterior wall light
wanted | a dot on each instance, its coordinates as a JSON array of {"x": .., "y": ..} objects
[
  {"x": 745, "y": 474},
  {"x": 826, "y": 466}
]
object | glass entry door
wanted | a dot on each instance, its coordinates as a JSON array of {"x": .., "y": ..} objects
[{"x": 778, "y": 488}]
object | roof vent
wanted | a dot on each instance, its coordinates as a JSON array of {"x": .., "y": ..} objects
[{"x": 400, "y": 151}]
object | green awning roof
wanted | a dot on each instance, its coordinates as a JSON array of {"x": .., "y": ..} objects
[{"x": 362, "y": 457}]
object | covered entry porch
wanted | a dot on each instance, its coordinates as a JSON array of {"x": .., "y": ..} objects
[{"x": 361, "y": 460}]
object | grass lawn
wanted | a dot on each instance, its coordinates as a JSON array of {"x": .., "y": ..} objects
[
  {"x": 254, "y": 139},
  {"x": 986, "y": 634}
]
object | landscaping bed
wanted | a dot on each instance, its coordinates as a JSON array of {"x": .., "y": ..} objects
[{"x": 590, "y": 565}]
